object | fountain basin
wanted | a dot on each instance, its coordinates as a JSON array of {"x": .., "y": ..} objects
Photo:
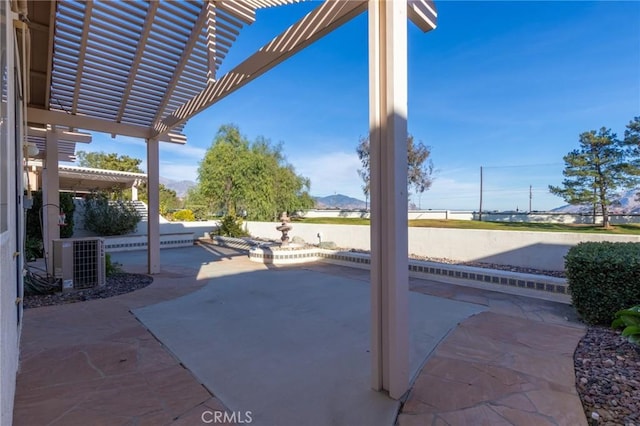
[{"x": 289, "y": 255}]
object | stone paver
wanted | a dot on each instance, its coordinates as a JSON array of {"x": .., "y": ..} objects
[
  {"x": 94, "y": 363},
  {"x": 488, "y": 371}
]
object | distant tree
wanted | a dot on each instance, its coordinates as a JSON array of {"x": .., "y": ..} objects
[
  {"x": 420, "y": 167},
  {"x": 239, "y": 176},
  {"x": 199, "y": 204},
  {"x": 601, "y": 166},
  {"x": 168, "y": 198},
  {"x": 632, "y": 136},
  {"x": 112, "y": 161},
  {"x": 365, "y": 171}
]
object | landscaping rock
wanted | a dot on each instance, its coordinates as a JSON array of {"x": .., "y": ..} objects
[{"x": 115, "y": 285}]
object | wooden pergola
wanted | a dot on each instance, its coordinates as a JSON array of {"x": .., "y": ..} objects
[{"x": 142, "y": 69}]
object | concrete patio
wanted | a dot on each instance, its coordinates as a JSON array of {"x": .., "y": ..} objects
[{"x": 95, "y": 363}]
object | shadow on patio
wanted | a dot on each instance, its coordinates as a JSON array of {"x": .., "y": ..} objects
[{"x": 288, "y": 346}]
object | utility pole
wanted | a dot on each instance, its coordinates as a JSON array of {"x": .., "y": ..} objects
[
  {"x": 480, "y": 194},
  {"x": 530, "y": 196},
  {"x": 595, "y": 204}
]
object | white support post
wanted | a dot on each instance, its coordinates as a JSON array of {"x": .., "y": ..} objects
[
  {"x": 50, "y": 197},
  {"x": 389, "y": 232},
  {"x": 153, "y": 198},
  {"x": 134, "y": 191}
]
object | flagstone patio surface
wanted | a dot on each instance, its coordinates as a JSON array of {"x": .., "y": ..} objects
[{"x": 94, "y": 363}]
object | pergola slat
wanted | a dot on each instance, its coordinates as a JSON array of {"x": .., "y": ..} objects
[
  {"x": 193, "y": 38},
  {"x": 82, "y": 52},
  {"x": 165, "y": 55},
  {"x": 322, "y": 20}
]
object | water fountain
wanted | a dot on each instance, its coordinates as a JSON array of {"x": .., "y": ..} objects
[{"x": 284, "y": 228}]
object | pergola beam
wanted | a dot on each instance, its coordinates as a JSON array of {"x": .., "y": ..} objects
[
  {"x": 423, "y": 13},
  {"x": 52, "y": 16},
  {"x": 44, "y": 117},
  {"x": 41, "y": 116},
  {"x": 81, "y": 54},
  {"x": 133, "y": 71},
  {"x": 184, "y": 59},
  {"x": 315, "y": 25},
  {"x": 211, "y": 41},
  {"x": 63, "y": 135}
]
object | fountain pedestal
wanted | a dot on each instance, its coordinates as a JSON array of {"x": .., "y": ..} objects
[{"x": 284, "y": 228}]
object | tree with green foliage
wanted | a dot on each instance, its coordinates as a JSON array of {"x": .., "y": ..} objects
[
  {"x": 168, "y": 198},
  {"x": 112, "y": 161},
  {"x": 419, "y": 166},
  {"x": 123, "y": 163},
  {"x": 238, "y": 176},
  {"x": 200, "y": 205},
  {"x": 601, "y": 166}
]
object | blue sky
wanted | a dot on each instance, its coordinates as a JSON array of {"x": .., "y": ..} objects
[{"x": 508, "y": 86}]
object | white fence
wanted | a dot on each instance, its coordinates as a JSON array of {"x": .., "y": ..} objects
[
  {"x": 413, "y": 214},
  {"x": 543, "y": 217},
  {"x": 538, "y": 250}
]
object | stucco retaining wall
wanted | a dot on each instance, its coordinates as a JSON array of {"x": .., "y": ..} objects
[{"x": 537, "y": 250}]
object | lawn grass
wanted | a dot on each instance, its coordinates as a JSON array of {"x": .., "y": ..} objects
[
  {"x": 334, "y": 220},
  {"x": 633, "y": 229}
]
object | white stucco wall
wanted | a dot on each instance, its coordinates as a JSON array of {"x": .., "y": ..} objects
[{"x": 539, "y": 250}]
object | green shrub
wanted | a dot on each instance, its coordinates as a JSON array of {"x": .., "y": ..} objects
[
  {"x": 110, "y": 267},
  {"x": 603, "y": 277},
  {"x": 67, "y": 206},
  {"x": 184, "y": 216},
  {"x": 230, "y": 226},
  {"x": 106, "y": 217},
  {"x": 34, "y": 219},
  {"x": 630, "y": 320},
  {"x": 199, "y": 212},
  {"x": 32, "y": 248}
]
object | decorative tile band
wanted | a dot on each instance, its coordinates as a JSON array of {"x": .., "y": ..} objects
[
  {"x": 508, "y": 279},
  {"x": 116, "y": 244},
  {"x": 417, "y": 268}
]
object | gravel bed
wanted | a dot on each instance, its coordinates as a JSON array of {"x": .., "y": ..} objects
[
  {"x": 558, "y": 274},
  {"x": 116, "y": 284},
  {"x": 485, "y": 265},
  {"x": 608, "y": 378}
]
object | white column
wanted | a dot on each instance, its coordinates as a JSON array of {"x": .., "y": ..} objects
[
  {"x": 50, "y": 196},
  {"x": 153, "y": 197},
  {"x": 389, "y": 233},
  {"x": 134, "y": 191}
]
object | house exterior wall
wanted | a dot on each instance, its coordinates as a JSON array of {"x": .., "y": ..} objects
[{"x": 10, "y": 211}]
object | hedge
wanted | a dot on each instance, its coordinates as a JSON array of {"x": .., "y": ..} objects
[{"x": 603, "y": 278}]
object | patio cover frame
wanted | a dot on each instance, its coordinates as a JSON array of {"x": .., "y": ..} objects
[{"x": 81, "y": 96}]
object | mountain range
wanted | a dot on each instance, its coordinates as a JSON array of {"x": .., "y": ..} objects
[
  {"x": 180, "y": 186},
  {"x": 339, "y": 201},
  {"x": 623, "y": 202}
]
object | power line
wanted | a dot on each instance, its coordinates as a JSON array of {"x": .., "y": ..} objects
[{"x": 523, "y": 165}]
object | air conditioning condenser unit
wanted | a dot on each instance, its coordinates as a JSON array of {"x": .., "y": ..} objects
[{"x": 79, "y": 262}]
